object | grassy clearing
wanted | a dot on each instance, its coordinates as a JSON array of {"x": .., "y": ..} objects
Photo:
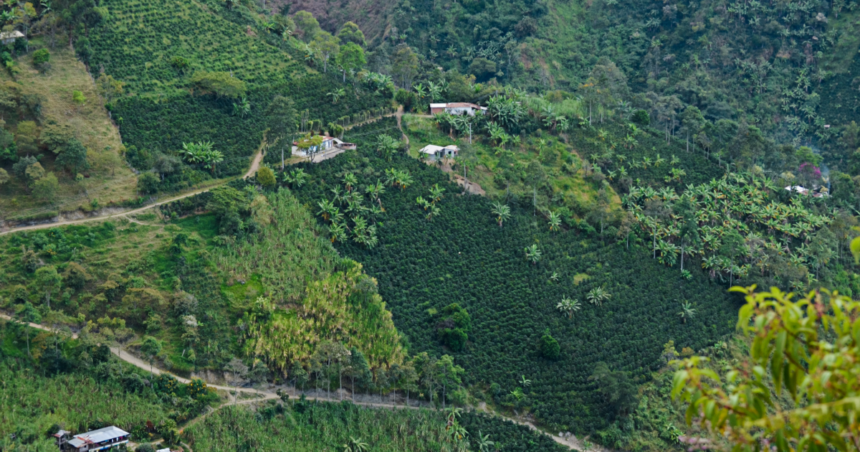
[
  {"x": 110, "y": 179},
  {"x": 560, "y": 161}
]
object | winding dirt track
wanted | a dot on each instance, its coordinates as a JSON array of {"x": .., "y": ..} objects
[
  {"x": 255, "y": 165},
  {"x": 269, "y": 395}
]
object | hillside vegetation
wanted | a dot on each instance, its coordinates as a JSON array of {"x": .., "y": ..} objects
[
  {"x": 432, "y": 262},
  {"x": 304, "y": 426},
  {"x": 107, "y": 180},
  {"x": 201, "y": 72}
]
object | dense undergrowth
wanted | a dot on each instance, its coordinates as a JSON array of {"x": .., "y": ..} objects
[
  {"x": 155, "y": 48},
  {"x": 192, "y": 285},
  {"x": 52, "y": 382},
  {"x": 304, "y": 426},
  {"x": 462, "y": 256}
]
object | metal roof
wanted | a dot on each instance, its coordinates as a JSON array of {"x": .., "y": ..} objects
[{"x": 98, "y": 436}]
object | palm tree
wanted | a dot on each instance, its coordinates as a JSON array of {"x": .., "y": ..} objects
[
  {"x": 525, "y": 381},
  {"x": 554, "y": 221},
  {"x": 336, "y": 94},
  {"x": 597, "y": 296},
  {"x": 355, "y": 445},
  {"x": 484, "y": 442},
  {"x": 213, "y": 158},
  {"x": 568, "y": 306},
  {"x": 687, "y": 311},
  {"x": 327, "y": 209},
  {"x": 350, "y": 181},
  {"x": 501, "y": 212},
  {"x": 533, "y": 254},
  {"x": 436, "y": 193}
]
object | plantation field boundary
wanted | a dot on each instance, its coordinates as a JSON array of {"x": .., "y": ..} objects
[
  {"x": 271, "y": 395},
  {"x": 255, "y": 165}
]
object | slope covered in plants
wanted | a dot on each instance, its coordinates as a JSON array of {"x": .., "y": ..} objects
[
  {"x": 52, "y": 382},
  {"x": 162, "y": 49},
  {"x": 206, "y": 292},
  {"x": 309, "y": 426},
  {"x": 455, "y": 252}
]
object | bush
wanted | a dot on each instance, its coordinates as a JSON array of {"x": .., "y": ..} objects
[
  {"x": 266, "y": 177},
  {"x": 41, "y": 58},
  {"x": 147, "y": 183},
  {"x": 549, "y": 347},
  {"x": 641, "y": 117}
]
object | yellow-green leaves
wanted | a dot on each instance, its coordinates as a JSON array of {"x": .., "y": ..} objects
[{"x": 808, "y": 349}]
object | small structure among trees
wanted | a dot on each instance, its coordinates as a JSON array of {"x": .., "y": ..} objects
[
  {"x": 101, "y": 439},
  {"x": 434, "y": 152},
  {"x": 457, "y": 108}
]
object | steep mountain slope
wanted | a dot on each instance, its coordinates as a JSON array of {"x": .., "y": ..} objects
[
  {"x": 424, "y": 263},
  {"x": 157, "y": 47}
]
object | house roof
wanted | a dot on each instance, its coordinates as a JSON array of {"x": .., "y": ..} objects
[
  {"x": 14, "y": 34},
  {"x": 432, "y": 148},
  {"x": 456, "y": 105},
  {"x": 98, "y": 436}
]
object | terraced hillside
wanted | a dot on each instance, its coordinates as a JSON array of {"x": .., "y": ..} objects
[
  {"x": 427, "y": 259},
  {"x": 156, "y": 47}
]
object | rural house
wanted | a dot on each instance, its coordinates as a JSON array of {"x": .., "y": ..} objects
[
  {"x": 8, "y": 37},
  {"x": 101, "y": 439},
  {"x": 434, "y": 152},
  {"x": 456, "y": 108}
]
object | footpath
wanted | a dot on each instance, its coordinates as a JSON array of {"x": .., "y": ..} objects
[{"x": 264, "y": 395}]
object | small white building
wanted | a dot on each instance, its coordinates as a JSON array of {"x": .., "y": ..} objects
[
  {"x": 101, "y": 439},
  {"x": 434, "y": 152},
  {"x": 457, "y": 108},
  {"x": 327, "y": 143},
  {"x": 8, "y": 37}
]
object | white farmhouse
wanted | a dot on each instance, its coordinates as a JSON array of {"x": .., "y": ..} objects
[
  {"x": 457, "y": 108},
  {"x": 434, "y": 152}
]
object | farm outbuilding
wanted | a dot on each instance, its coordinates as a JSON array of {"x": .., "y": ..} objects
[
  {"x": 434, "y": 152},
  {"x": 101, "y": 439},
  {"x": 457, "y": 108}
]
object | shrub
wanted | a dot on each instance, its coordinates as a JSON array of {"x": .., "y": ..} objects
[
  {"x": 549, "y": 347},
  {"x": 147, "y": 183},
  {"x": 641, "y": 117},
  {"x": 266, "y": 177},
  {"x": 41, "y": 58},
  {"x": 222, "y": 84}
]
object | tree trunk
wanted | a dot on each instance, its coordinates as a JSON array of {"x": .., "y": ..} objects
[
  {"x": 682, "y": 258},
  {"x": 654, "y": 241}
]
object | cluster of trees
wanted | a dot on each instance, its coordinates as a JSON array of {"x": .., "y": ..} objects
[
  {"x": 36, "y": 140},
  {"x": 352, "y": 428},
  {"x": 55, "y": 375},
  {"x": 744, "y": 227}
]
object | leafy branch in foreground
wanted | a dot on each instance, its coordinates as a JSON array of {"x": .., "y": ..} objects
[{"x": 808, "y": 349}]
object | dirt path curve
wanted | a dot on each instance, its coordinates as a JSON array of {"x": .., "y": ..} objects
[
  {"x": 255, "y": 163},
  {"x": 399, "y": 116},
  {"x": 269, "y": 395},
  {"x": 105, "y": 217}
]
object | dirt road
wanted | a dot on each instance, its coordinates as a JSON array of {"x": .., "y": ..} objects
[
  {"x": 255, "y": 165},
  {"x": 271, "y": 395}
]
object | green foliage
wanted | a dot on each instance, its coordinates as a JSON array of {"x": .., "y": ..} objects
[
  {"x": 806, "y": 349},
  {"x": 266, "y": 177},
  {"x": 222, "y": 84},
  {"x": 46, "y": 187},
  {"x": 549, "y": 347},
  {"x": 311, "y": 426},
  {"x": 463, "y": 257},
  {"x": 41, "y": 58}
]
